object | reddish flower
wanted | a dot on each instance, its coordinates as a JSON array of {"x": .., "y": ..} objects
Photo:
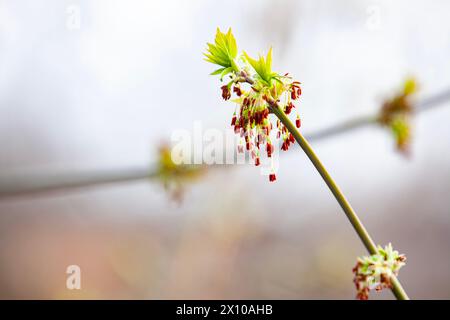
[
  {"x": 293, "y": 95},
  {"x": 237, "y": 90},
  {"x": 226, "y": 94},
  {"x": 291, "y": 138},
  {"x": 296, "y": 91},
  {"x": 269, "y": 149},
  {"x": 289, "y": 107}
]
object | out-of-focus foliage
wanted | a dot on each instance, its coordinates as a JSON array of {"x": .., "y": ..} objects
[
  {"x": 174, "y": 177},
  {"x": 396, "y": 115}
]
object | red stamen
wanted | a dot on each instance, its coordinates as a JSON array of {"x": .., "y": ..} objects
[
  {"x": 226, "y": 94},
  {"x": 272, "y": 177},
  {"x": 291, "y": 138},
  {"x": 289, "y": 107},
  {"x": 293, "y": 94},
  {"x": 269, "y": 149}
]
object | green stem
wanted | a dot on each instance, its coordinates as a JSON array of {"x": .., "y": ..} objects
[{"x": 363, "y": 234}]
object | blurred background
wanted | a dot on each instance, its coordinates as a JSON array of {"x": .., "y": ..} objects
[{"x": 96, "y": 85}]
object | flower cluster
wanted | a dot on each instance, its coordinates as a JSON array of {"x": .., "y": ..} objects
[
  {"x": 258, "y": 92},
  {"x": 396, "y": 114},
  {"x": 375, "y": 271}
]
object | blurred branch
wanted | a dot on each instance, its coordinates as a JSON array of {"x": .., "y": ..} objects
[
  {"x": 356, "y": 123},
  {"x": 433, "y": 101},
  {"x": 42, "y": 183},
  {"x": 22, "y": 185},
  {"x": 342, "y": 127}
]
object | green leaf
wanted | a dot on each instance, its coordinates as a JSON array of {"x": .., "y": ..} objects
[
  {"x": 254, "y": 63},
  {"x": 269, "y": 61},
  {"x": 232, "y": 46},
  {"x": 225, "y": 72},
  {"x": 223, "y": 51},
  {"x": 218, "y": 71},
  {"x": 263, "y": 67}
]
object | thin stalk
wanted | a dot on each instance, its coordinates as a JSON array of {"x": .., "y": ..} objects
[{"x": 362, "y": 232}]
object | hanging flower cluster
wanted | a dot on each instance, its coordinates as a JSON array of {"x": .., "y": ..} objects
[
  {"x": 258, "y": 91},
  {"x": 396, "y": 114},
  {"x": 375, "y": 271}
]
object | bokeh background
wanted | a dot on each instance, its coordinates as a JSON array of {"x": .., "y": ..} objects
[{"x": 96, "y": 85}]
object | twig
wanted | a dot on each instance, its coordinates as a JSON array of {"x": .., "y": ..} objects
[
  {"x": 44, "y": 183},
  {"x": 363, "y": 121},
  {"x": 22, "y": 185}
]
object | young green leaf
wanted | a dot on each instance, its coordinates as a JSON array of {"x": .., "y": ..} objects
[
  {"x": 223, "y": 51},
  {"x": 263, "y": 67}
]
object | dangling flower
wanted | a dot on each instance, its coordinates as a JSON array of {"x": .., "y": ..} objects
[
  {"x": 237, "y": 90},
  {"x": 269, "y": 149},
  {"x": 257, "y": 89},
  {"x": 226, "y": 94},
  {"x": 375, "y": 271},
  {"x": 298, "y": 122},
  {"x": 295, "y": 90},
  {"x": 233, "y": 120},
  {"x": 288, "y": 108}
]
